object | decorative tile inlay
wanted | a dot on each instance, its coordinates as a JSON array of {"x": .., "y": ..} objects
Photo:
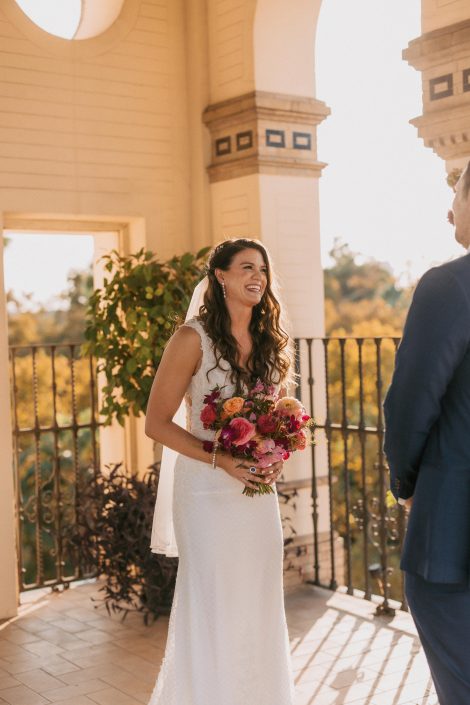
[
  {"x": 441, "y": 87},
  {"x": 302, "y": 140},
  {"x": 252, "y": 135},
  {"x": 275, "y": 138},
  {"x": 223, "y": 146},
  {"x": 244, "y": 140},
  {"x": 443, "y": 124},
  {"x": 466, "y": 80}
]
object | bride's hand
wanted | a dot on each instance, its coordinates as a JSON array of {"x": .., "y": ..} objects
[
  {"x": 240, "y": 470},
  {"x": 274, "y": 471}
]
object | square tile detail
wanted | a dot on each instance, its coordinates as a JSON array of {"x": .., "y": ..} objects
[
  {"x": 244, "y": 140},
  {"x": 466, "y": 80},
  {"x": 302, "y": 140},
  {"x": 275, "y": 138},
  {"x": 441, "y": 87},
  {"x": 223, "y": 146}
]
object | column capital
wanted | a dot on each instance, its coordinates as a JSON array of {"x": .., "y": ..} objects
[{"x": 263, "y": 132}]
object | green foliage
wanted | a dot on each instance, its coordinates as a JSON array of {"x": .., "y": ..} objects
[
  {"x": 130, "y": 319},
  {"x": 112, "y": 535}
]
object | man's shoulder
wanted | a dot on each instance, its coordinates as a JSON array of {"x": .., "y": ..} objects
[
  {"x": 450, "y": 275},
  {"x": 458, "y": 267}
]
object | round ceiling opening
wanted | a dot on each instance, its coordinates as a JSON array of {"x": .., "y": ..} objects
[{"x": 72, "y": 19}]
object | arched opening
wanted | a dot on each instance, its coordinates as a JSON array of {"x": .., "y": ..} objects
[
  {"x": 72, "y": 19},
  {"x": 284, "y": 46}
]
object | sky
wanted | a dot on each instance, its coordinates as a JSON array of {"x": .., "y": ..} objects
[
  {"x": 39, "y": 264},
  {"x": 383, "y": 193},
  {"x": 59, "y": 17}
]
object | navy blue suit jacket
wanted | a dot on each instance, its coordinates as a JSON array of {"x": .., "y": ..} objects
[{"x": 427, "y": 416}]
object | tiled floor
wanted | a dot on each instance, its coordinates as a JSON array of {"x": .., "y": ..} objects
[{"x": 62, "y": 650}]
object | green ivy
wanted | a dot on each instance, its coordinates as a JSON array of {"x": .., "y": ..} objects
[{"x": 130, "y": 319}]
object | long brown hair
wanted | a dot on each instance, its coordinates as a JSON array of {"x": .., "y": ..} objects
[{"x": 271, "y": 354}]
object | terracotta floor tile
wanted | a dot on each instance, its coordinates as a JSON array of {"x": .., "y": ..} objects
[
  {"x": 38, "y": 680},
  {"x": 76, "y": 700},
  {"x": 8, "y": 681},
  {"x": 62, "y": 650},
  {"x": 21, "y": 695},
  {"x": 112, "y": 696},
  {"x": 70, "y": 691}
]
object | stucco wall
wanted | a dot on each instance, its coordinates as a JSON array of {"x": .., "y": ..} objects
[{"x": 98, "y": 126}]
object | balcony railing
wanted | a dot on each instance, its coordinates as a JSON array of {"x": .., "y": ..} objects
[
  {"x": 343, "y": 380},
  {"x": 55, "y": 435}
]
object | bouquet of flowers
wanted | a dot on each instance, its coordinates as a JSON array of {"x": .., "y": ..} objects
[{"x": 261, "y": 428}]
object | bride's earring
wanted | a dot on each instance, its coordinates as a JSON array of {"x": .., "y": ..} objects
[{"x": 222, "y": 284}]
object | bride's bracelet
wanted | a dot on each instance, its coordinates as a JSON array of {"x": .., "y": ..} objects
[{"x": 214, "y": 453}]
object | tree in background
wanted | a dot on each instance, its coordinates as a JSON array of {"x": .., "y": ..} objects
[
  {"x": 362, "y": 298},
  {"x": 48, "y": 325}
]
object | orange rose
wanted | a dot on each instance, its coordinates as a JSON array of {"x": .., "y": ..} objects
[
  {"x": 233, "y": 405},
  {"x": 300, "y": 440}
]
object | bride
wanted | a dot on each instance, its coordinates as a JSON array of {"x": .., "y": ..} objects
[{"x": 227, "y": 640}]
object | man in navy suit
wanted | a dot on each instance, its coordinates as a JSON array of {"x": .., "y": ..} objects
[{"x": 427, "y": 443}]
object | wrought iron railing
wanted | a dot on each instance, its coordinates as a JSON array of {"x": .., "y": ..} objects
[
  {"x": 343, "y": 382},
  {"x": 55, "y": 434}
]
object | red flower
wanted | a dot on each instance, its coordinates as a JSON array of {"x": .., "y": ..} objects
[
  {"x": 266, "y": 424},
  {"x": 208, "y": 415},
  {"x": 210, "y": 398}
]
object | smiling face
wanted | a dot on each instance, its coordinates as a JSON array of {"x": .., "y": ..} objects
[
  {"x": 460, "y": 213},
  {"x": 246, "y": 278}
]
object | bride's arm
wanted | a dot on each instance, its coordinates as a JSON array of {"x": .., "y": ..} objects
[{"x": 179, "y": 362}]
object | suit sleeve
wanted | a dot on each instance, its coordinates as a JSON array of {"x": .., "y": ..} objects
[{"x": 435, "y": 339}]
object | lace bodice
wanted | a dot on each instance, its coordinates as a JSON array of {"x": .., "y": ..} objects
[{"x": 202, "y": 383}]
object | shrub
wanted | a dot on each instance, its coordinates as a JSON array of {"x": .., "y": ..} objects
[
  {"x": 130, "y": 319},
  {"x": 112, "y": 536}
]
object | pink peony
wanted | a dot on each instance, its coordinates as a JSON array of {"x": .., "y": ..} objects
[
  {"x": 266, "y": 445},
  {"x": 242, "y": 431},
  {"x": 266, "y": 423},
  {"x": 208, "y": 415},
  {"x": 289, "y": 406},
  {"x": 268, "y": 459}
]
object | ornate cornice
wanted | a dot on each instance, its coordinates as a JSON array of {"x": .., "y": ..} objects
[
  {"x": 443, "y": 57},
  {"x": 263, "y": 132},
  {"x": 442, "y": 44}
]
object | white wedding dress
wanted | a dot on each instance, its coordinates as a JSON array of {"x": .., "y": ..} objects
[{"x": 227, "y": 640}]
